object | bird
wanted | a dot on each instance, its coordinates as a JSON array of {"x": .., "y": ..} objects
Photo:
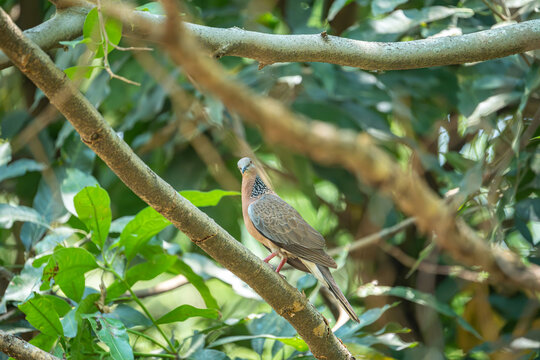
[{"x": 283, "y": 231}]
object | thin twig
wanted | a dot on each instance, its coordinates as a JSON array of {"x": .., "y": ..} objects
[
  {"x": 411, "y": 262},
  {"x": 105, "y": 47},
  {"x": 375, "y": 237},
  {"x": 163, "y": 287},
  {"x": 494, "y": 10}
]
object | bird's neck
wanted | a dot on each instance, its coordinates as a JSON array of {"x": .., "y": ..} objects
[{"x": 254, "y": 187}]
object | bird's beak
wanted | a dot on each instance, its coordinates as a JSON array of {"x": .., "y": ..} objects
[{"x": 244, "y": 169}]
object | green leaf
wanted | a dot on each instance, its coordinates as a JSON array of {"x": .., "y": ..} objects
[
  {"x": 152, "y": 7},
  {"x": 370, "y": 316},
  {"x": 421, "y": 257},
  {"x": 72, "y": 264},
  {"x": 129, "y": 316},
  {"x": 459, "y": 162},
  {"x": 417, "y": 297},
  {"x": 69, "y": 324},
  {"x": 92, "y": 32},
  {"x": 93, "y": 207},
  {"x": 114, "y": 334},
  {"x": 379, "y": 7},
  {"x": 194, "y": 279},
  {"x": 144, "y": 271},
  {"x": 184, "y": 312},
  {"x": 296, "y": 342},
  {"x": 73, "y": 43},
  {"x": 140, "y": 230},
  {"x": 19, "y": 168},
  {"x": 41, "y": 313},
  {"x": 210, "y": 198},
  {"x": 60, "y": 305},
  {"x": 78, "y": 72},
  {"x": 11, "y": 213},
  {"x": 43, "y": 341},
  {"x": 22, "y": 285},
  {"x": 74, "y": 180}
]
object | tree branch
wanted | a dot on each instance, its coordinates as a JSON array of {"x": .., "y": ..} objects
[
  {"x": 20, "y": 349},
  {"x": 357, "y": 152},
  {"x": 65, "y": 25},
  {"x": 202, "y": 230},
  {"x": 270, "y": 48}
]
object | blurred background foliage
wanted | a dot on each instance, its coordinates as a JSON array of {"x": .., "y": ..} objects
[{"x": 470, "y": 130}]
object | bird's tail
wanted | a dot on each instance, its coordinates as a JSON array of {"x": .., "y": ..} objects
[
  {"x": 322, "y": 273},
  {"x": 337, "y": 292}
]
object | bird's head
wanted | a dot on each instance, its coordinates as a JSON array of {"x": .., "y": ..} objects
[{"x": 246, "y": 166}]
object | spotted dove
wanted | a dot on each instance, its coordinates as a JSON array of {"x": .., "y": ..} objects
[{"x": 282, "y": 230}]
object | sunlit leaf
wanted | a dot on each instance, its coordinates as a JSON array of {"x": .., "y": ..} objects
[
  {"x": 72, "y": 264},
  {"x": 147, "y": 223},
  {"x": 93, "y": 207}
]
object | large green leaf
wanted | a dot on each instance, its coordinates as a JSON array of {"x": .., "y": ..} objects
[
  {"x": 72, "y": 264},
  {"x": 93, "y": 207},
  {"x": 41, "y": 313},
  {"x": 184, "y": 312},
  {"x": 417, "y": 297}
]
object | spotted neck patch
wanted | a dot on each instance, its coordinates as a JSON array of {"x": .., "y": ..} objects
[{"x": 259, "y": 188}]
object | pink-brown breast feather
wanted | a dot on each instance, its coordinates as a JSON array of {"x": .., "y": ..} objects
[{"x": 247, "y": 186}]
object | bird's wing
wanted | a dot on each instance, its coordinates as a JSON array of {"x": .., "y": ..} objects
[{"x": 282, "y": 224}]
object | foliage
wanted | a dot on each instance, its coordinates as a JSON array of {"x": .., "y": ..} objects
[{"x": 83, "y": 247}]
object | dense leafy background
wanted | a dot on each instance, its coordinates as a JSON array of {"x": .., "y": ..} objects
[{"x": 69, "y": 226}]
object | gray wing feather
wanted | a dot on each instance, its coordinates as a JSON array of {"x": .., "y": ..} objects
[{"x": 282, "y": 224}]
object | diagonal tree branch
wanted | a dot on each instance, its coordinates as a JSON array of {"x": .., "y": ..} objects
[
  {"x": 201, "y": 229},
  {"x": 357, "y": 152},
  {"x": 270, "y": 48}
]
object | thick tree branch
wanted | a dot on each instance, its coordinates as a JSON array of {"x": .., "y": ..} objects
[
  {"x": 269, "y": 48},
  {"x": 65, "y": 25},
  {"x": 22, "y": 350},
  {"x": 357, "y": 152},
  {"x": 201, "y": 229}
]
